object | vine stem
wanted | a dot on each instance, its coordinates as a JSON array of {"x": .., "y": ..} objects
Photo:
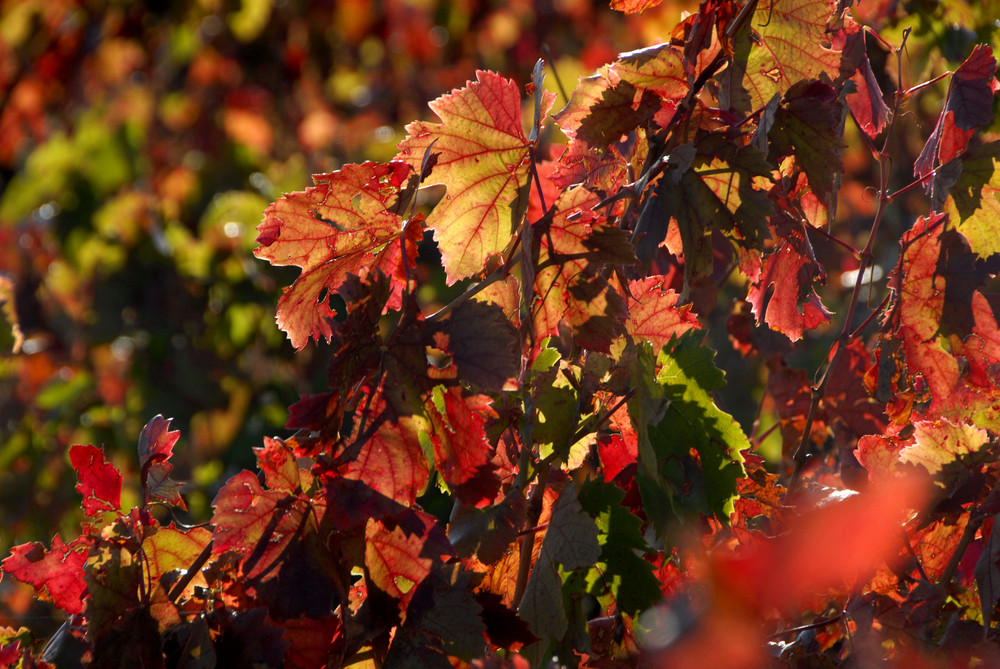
[
  {"x": 975, "y": 522},
  {"x": 527, "y": 541},
  {"x": 885, "y": 166}
]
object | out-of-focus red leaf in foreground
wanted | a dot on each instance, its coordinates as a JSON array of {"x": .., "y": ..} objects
[{"x": 835, "y": 545}]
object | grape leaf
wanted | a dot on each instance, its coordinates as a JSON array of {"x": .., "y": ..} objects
[
  {"x": 968, "y": 105},
  {"x": 654, "y": 315},
  {"x": 624, "y": 95},
  {"x": 443, "y": 614},
  {"x": 693, "y": 421},
  {"x": 276, "y": 461},
  {"x": 167, "y": 549},
  {"x": 57, "y": 572},
  {"x": 399, "y": 556},
  {"x": 717, "y": 193},
  {"x": 311, "y": 641},
  {"x": 483, "y": 161},
  {"x": 243, "y": 510},
  {"x": 482, "y": 343},
  {"x": 542, "y": 603},
  {"x": 345, "y": 224},
  {"x": 973, "y": 202},
  {"x": 866, "y": 100},
  {"x": 156, "y": 447},
  {"x": 620, "y": 570},
  {"x": 462, "y": 451},
  {"x": 789, "y": 45},
  {"x": 391, "y": 461},
  {"x": 100, "y": 482},
  {"x": 809, "y": 127},
  {"x": 937, "y": 443},
  {"x": 487, "y": 533},
  {"x": 790, "y": 267},
  {"x": 571, "y": 538},
  {"x": 574, "y": 243}
]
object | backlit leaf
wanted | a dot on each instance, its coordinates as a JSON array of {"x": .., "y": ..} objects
[
  {"x": 692, "y": 420},
  {"x": 243, "y": 510},
  {"x": 940, "y": 442},
  {"x": 790, "y": 45},
  {"x": 278, "y": 464},
  {"x": 100, "y": 482},
  {"x": 57, "y": 572},
  {"x": 654, "y": 315},
  {"x": 399, "y": 556},
  {"x": 809, "y": 126},
  {"x": 483, "y": 161},
  {"x": 790, "y": 268},
  {"x": 345, "y": 224},
  {"x": 462, "y": 451},
  {"x": 969, "y": 105},
  {"x": 156, "y": 447},
  {"x": 634, "y": 6},
  {"x": 570, "y": 290},
  {"x": 973, "y": 202}
]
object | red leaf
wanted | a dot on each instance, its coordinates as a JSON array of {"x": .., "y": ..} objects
[
  {"x": 970, "y": 94},
  {"x": 483, "y": 161},
  {"x": 311, "y": 641},
  {"x": 156, "y": 441},
  {"x": 156, "y": 446},
  {"x": 655, "y": 316},
  {"x": 462, "y": 451},
  {"x": 616, "y": 454},
  {"x": 278, "y": 464},
  {"x": 625, "y": 94},
  {"x": 790, "y": 268},
  {"x": 100, "y": 482},
  {"x": 826, "y": 547},
  {"x": 866, "y": 102},
  {"x": 59, "y": 571},
  {"x": 571, "y": 291},
  {"x": 969, "y": 105},
  {"x": 243, "y": 510},
  {"x": 399, "y": 557},
  {"x": 343, "y": 225}
]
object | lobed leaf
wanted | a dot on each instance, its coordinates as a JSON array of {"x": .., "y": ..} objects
[
  {"x": 346, "y": 224},
  {"x": 100, "y": 481},
  {"x": 789, "y": 44},
  {"x": 57, "y": 572},
  {"x": 483, "y": 161}
]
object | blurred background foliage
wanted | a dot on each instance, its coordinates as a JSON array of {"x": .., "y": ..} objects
[{"x": 140, "y": 143}]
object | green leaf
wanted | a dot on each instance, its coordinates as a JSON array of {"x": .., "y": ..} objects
[
  {"x": 692, "y": 420},
  {"x": 620, "y": 571}
]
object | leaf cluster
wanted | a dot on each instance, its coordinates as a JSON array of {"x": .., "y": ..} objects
[{"x": 544, "y": 470}]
